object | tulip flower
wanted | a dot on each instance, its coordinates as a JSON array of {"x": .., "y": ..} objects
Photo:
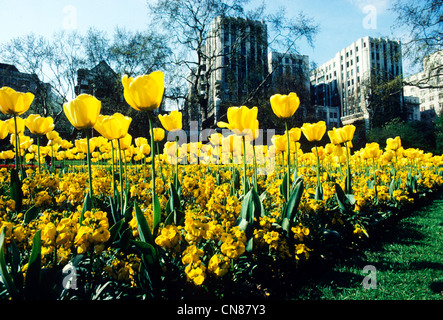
[
  {"x": 13, "y": 102},
  {"x": 346, "y": 133},
  {"x": 39, "y": 126},
  {"x": 171, "y": 122},
  {"x": 243, "y": 122},
  {"x": 394, "y": 145},
  {"x": 141, "y": 141},
  {"x": 3, "y": 129},
  {"x": 284, "y": 106},
  {"x": 82, "y": 112},
  {"x": 144, "y": 93},
  {"x": 113, "y": 127},
  {"x": 314, "y": 131},
  {"x": 159, "y": 134}
]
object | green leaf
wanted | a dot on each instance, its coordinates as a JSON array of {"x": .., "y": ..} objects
[
  {"x": 294, "y": 201},
  {"x": 32, "y": 280},
  {"x": 142, "y": 225},
  {"x": 87, "y": 206},
  {"x": 31, "y": 214},
  {"x": 345, "y": 203},
  {"x": 348, "y": 181},
  {"x": 16, "y": 190},
  {"x": 146, "y": 249},
  {"x": 247, "y": 207},
  {"x": 248, "y": 228},
  {"x": 284, "y": 187},
  {"x": 115, "y": 230},
  {"x": 6, "y": 276},
  {"x": 319, "y": 192}
]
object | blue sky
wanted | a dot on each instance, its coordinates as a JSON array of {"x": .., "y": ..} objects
[{"x": 341, "y": 21}]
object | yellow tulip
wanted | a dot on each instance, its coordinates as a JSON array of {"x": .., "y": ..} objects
[
  {"x": 279, "y": 142},
  {"x": 125, "y": 142},
  {"x": 20, "y": 125},
  {"x": 241, "y": 120},
  {"x": 284, "y": 106},
  {"x": 216, "y": 139},
  {"x": 231, "y": 143},
  {"x": 294, "y": 134},
  {"x": 82, "y": 145},
  {"x": 159, "y": 134},
  {"x": 13, "y": 102},
  {"x": 113, "y": 127},
  {"x": 53, "y": 135},
  {"x": 333, "y": 136},
  {"x": 372, "y": 150},
  {"x": 171, "y": 122},
  {"x": 393, "y": 144},
  {"x": 140, "y": 141},
  {"x": 3, "y": 129},
  {"x": 83, "y": 111},
  {"x": 145, "y": 149},
  {"x": 314, "y": 131},
  {"x": 39, "y": 125},
  {"x": 144, "y": 93},
  {"x": 346, "y": 133}
]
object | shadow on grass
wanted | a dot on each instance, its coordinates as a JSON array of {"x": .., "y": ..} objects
[
  {"x": 347, "y": 271},
  {"x": 437, "y": 287}
]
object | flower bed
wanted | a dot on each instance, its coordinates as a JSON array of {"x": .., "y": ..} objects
[
  {"x": 207, "y": 247},
  {"x": 227, "y": 218}
]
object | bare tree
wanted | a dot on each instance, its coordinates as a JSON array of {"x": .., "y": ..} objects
[
  {"x": 423, "y": 23},
  {"x": 189, "y": 25}
]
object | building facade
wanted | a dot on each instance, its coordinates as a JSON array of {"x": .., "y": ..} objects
[
  {"x": 426, "y": 87},
  {"x": 236, "y": 64},
  {"x": 340, "y": 81},
  {"x": 45, "y": 99}
]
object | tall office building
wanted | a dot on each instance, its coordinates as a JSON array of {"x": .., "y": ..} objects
[
  {"x": 339, "y": 82},
  {"x": 236, "y": 62}
]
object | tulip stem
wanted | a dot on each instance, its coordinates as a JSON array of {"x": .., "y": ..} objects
[
  {"x": 289, "y": 161},
  {"x": 318, "y": 166},
  {"x": 16, "y": 143},
  {"x": 176, "y": 163},
  {"x": 244, "y": 166},
  {"x": 255, "y": 169},
  {"x": 38, "y": 152},
  {"x": 348, "y": 185},
  {"x": 88, "y": 159},
  {"x": 112, "y": 170},
  {"x": 120, "y": 175},
  {"x": 151, "y": 128}
]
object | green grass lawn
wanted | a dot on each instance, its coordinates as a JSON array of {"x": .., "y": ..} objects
[{"x": 407, "y": 255}]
